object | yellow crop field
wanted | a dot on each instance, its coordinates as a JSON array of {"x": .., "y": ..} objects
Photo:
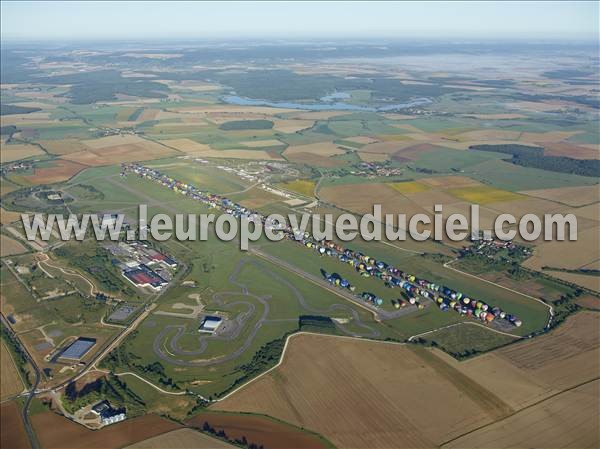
[
  {"x": 409, "y": 187},
  {"x": 302, "y": 186},
  {"x": 484, "y": 194}
]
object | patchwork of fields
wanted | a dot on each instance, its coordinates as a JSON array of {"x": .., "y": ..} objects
[{"x": 340, "y": 371}]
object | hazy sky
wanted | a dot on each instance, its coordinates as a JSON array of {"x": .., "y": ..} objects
[{"x": 231, "y": 20}]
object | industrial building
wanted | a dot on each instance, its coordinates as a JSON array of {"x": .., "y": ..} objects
[
  {"x": 210, "y": 324},
  {"x": 142, "y": 276},
  {"x": 77, "y": 350}
]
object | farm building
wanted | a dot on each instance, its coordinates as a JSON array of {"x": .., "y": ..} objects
[
  {"x": 108, "y": 415},
  {"x": 77, "y": 350},
  {"x": 210, "y": 324}
]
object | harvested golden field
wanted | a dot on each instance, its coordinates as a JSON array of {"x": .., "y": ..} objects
[
  {"x": 302, "y": 186},
  {"x": 10, "y": 246},
  {"x": 489, "y": 134},
  {"x": 409, "y": 187},
  {"x": 390, "y": 147},
  {"x": 196, "y": 149},
  {"x": 230, "y": 109},
  {"x": 63, "y": 146},
  {"x": 571, "y": 150},
  {"x": 567, "y": 254},
  {"x": 262, "y": 143},
  {"x": 143, "y": 150},
  {"x": 7, "y": 216},
  {"x": 35, "y": 118},
  {"x": 238, "y": 154},
  {"x": 548, "y": 137},
  {"x": 314, "y": 159},
  {"x": 383, "y": 395},
  {"x": 14, "y": 152},
  {"x": 57, "y": 170},
  {"x": 186, "y": 145},
  {"x": 373, "y": 157},
  {"x": 259, "y": 430},
  {"x": 535, "y": 106},
  {"x": 56, "y": 432},
  {"x": 181, "y": 439},
  {"x": 464, "y": 145},
  {"x": 483, "y": 194},
  {"x": 568, "y": 420},
  {"x": 589, "y": 301},
  {"x": 112, "y": 141},
  {"x": 10, "y": 381},
  {"x": 412, "y": 152},
  {"x": 316, "y": 115},
  {"x": 590, "y": 281},
  {"x": 291, "y": 126},
  {"x": 362, "y": 200},
  {"x": 507, "y": 116},
  {"x": 320, "y": 149},
  {"x": 365, "y": 140},
  {"x": 12, "y": 430},
  {"x": 447, "y": 182},
  {"x": 566, "y": 357},
  {"x": 571, "y": 196}
]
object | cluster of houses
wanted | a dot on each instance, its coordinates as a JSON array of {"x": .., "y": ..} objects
[
  {"x": 503, "y": 251},
  {"x": 375, "y": 169},
  {"x": 142, "y": 265},
  {"x": 5, "y": 169},
  {"x": 365, "y": 265}
]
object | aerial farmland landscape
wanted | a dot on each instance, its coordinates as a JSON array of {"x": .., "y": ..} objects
[{"x": 178, "y": 262}]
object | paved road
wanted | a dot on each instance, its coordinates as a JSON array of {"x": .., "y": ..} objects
[
  {"x": 31, "y": 393},
  {"x": 166, "y": 346}
]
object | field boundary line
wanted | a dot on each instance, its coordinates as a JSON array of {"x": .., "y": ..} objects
[
  {"x": 469, "y": 323},
  {"x": 285, "y": 346},
  {"x": 19, "y": 374},
  {"x": 541, "y": 401},
  {"x": 129, "y": 373},
  {"x": 550, "y": 308}
]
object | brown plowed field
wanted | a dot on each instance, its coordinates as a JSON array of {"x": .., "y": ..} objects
[
  {"x": 182, "y": 439},
  {"x": 12, "y": 431},
  {"x": 56, "y": 432},
  {"x": 261, "y": 431}
]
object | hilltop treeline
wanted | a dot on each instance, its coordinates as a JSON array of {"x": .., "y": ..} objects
[
  {"x": 9, "y": 109},
  {"x": 112, "y": 388},
  {"x": 534, "y": 157}
]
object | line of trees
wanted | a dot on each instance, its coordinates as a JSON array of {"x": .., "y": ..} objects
[{"x": 534, "y": 157}]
